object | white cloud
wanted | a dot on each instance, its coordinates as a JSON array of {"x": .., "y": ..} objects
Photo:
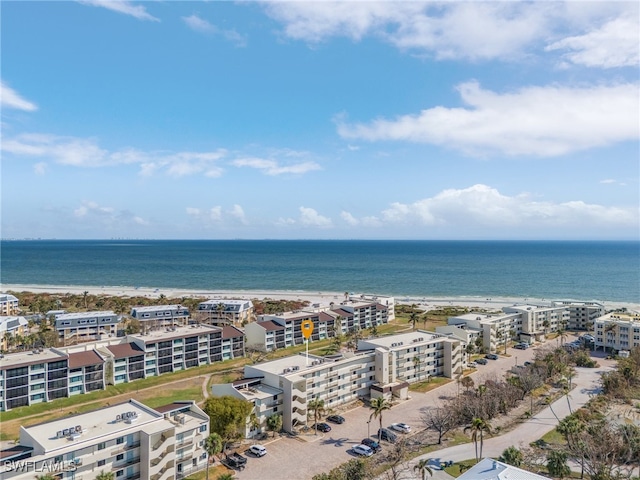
[
  {"x": 85, "y": 152},
  {"x": 9, "y": 98},
  {"x": 201, "y": 25},
  {"x": 614, "y": 44},
  {"x": 238, "y": 213},
  {"x": 40, "y": 168},
  {"x": 483, "y": 206},
  {"x": 310, "y": 218},
  {"x": 350, "y": 219},
  {"x": 91, "y": 213},
  {"x": 540, "y": 121},
  {"x": 122, "y": 6},
  {"x": 608, "y": 181},
  {"x": 272, "y": 167}
]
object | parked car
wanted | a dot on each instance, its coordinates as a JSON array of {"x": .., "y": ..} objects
[
  {"x": 362, "y": 450},
  {"x": 521, "y": 346},
  {"x": 236, "y": 461},
  {"x": 491, "y": 356},
  {"x": 481, "y": 361},
  {"x": 527, "y": 363},
  {"x": 336, "y": 419},
  {"x": 322, "y": 427},
  {"x": 258, "y": 450},
  {"x": 372, "y": 444},
  {"x": 401, "y": 427},
  {"x": 472, "y": 364},
  {"x": 387, "y": 435}
]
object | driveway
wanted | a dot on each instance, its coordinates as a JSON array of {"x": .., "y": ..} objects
[{"x": 303, "y": 457}]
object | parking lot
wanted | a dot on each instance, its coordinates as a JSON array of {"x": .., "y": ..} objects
[{"x": 305, "y": 456}]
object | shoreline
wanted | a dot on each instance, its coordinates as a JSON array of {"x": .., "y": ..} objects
[{"x": 323, "y": 298}]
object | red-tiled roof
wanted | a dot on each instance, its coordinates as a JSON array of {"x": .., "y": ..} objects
[
  {"x": 230, "y": 331},
  {"x": 125, "y": 350},
  {"x": 84, "y": 359}
]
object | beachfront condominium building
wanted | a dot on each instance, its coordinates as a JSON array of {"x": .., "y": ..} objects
[
  {"x": 538, "y": 321},
  {"x": 388, "y": 302},
  {"x": 225, "y": 312},
  {"x": 161, "y": 316},
  {"x": 413, "y": 357},
  {"x": 129, "y": 440},
  {"x": 282, "y": 330},
  {"x": 617, "y": 331},
  {"x": 86, "y": 326},
  {"x": 8, "y": 305},
  {"x": 42, "y": 375},
  {"x": 12, "y": 328},
  {"x": 582, "y": 315},
  {"x": 381, "y": 367},
  {"x": 494, "y": 329}
]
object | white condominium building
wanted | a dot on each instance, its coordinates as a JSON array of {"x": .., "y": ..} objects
[
  {"x": 8, "y": 304},
  {"x": 617, "y": 331},
  {"x": 494, "y": 329},
  {"x": 226, "y": 312},
  {"x": 86, "y": 326},
  {"x": 537, "y": 321},
  {"x": 582, "y": 315},
  {"x": 160, "y": 316},
  {"x": 129, "y": 439}
]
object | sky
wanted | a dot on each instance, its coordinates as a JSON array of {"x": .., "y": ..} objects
[{"x": 320, "y": 120}]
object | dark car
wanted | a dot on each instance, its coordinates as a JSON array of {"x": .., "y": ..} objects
[
  {"x": 481, "y": 361},
  {"x": 236, "y": 461},
  {"x": 491, "y": 356},
  {"x": 387, "y": 435},
  {"x": 336, "y": 419},
  {"x": 372, "y": 444},
  {"x": 322, "y": 427},
  {"x": 521, "y": 346}
]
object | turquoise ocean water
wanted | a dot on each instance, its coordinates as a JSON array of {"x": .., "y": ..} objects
[{"x": 607, "y": 271}]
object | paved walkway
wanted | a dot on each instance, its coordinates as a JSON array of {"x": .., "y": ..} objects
[{"x": 586, "y": 383}]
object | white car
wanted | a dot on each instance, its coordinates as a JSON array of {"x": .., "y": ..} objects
[
  {"x": 472, "y": 365},
  {"x": 258, "y": 450},
  {"x": 401, "y": 427},
  {"x": 362, "y": 450}
]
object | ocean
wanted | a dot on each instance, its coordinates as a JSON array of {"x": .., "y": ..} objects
[{"x": 605, "y": 271}]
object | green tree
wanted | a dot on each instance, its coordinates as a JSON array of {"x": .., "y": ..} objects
[
  {"x": 413, "y": 316},
  {"x": 46, "y": 476},
  {"x": 213, "y": 446},
  {"x": 274, "y": 423},
  {"x": 105, "y": 475},
  {"x": 477, "y": 428},
  {"x": 228, "y": 417},
  {"x": 225, "y": 476},
  {"x": 423, "y": 468},
  {"x": 557, "y": 464},
  {"x": 512, "y": 456},
  {"x": 379, "y": 405},
  {"x": 317, "y": 407}
]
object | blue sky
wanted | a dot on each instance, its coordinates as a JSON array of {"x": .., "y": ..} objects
[{"x": 198, "y": 120}]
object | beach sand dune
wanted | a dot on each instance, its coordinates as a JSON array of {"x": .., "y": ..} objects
[{"x": 321, "y": 298}]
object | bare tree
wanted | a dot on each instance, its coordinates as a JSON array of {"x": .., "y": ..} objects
[{"x": 439, "y": 419}]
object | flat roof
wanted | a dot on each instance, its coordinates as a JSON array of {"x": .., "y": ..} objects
[
  {"x": 13, "y": 360},
  {"x": 259, "y": 392},
  {"x": 176, "y": 332},
  {"x": 405, "y": 339},
  {"x": 296, "y": 364},
  {"x": 155, "y": 308},
  {"x": 93, "y": 426}
]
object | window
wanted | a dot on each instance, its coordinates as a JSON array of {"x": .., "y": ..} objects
[
  {"x": 203, "y": 428},
  {"x": 119, "y": 457},
  {"x": 101, "y": 462},
  {"x": 120, "y": 440},
  {"x": 102, "y": 446},
  {"x": 119, "y": 473}
]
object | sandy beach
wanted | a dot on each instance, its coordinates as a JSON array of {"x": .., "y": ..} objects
[{"x": 321, "y": 298}]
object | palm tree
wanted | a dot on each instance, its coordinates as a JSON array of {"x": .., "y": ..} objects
[
  {"x": 423, "y": 467},
  {"x": 379, "y": 405},
  {"x": 212, "y": 446},
  {"x": 416, "y": 364},
  {"x": 557, "y": 464},
  {"x": 85, "y": 294},
  {"x": 477, "y": 427},
  {"x": 413, "y": 317},
  {"x": 105, "y": 475},
  {"x": 512, "y": 456},
  {"x": 546, "y": 324},
  {"x": 317, "y": 407}
]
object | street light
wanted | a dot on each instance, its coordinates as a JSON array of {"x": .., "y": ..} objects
[{"x": 368, "y": 428}]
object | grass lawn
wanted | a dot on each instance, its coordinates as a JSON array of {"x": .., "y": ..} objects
[
  {"x": 214, "y": 472},
  {"x": 435, "y": 382},
  {"x": 455, "y": 470}
]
